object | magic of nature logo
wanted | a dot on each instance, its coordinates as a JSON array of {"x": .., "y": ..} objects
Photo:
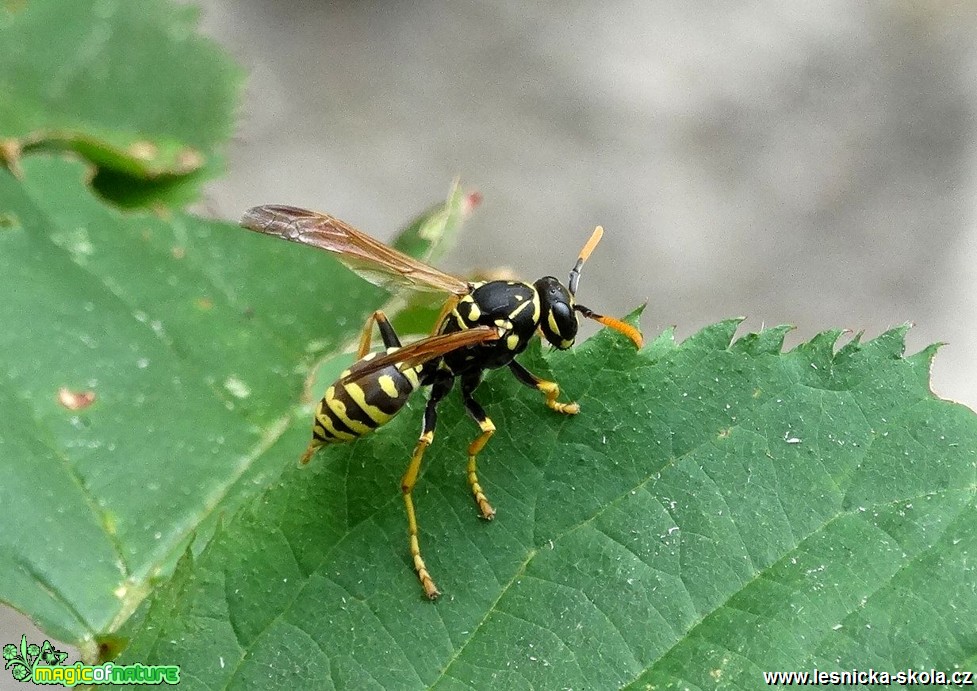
[{"x": 44, "y": 664}]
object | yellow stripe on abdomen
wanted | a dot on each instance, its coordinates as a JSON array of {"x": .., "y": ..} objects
[
  {"x": 356, "y": 393},
  {"x": 324, "y": 419}
]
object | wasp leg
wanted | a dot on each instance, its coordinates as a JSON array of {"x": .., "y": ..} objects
[
  {"x": 387, "y": 333},
  {"x": 438, "y": 391},
  {"x": 468, "y": 385},
  {"x": 549, "y": 388},
  {"x": 446, "y": 309}
]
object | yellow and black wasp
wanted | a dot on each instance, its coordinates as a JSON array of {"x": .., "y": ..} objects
[{"x": 483, "y": 325}]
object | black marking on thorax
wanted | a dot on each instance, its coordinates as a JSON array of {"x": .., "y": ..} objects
[{"x": 508, "y": 305}]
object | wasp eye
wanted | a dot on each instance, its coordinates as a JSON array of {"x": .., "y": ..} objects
[
  {"x": 561, "y": 315},
  {"x": 561, "y": 325},
  {"x": 558, "y": 322}
]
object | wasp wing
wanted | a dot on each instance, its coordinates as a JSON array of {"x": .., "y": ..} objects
[
  {"x": 377, "y": 263},
  {"x": 422, "y": 351}
]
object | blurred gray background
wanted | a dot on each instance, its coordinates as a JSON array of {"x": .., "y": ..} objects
[{"x": 802, "y": 163}]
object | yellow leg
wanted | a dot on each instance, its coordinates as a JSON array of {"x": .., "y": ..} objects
[
  {"x": 407, "y": 487},
  {"x": 390, "y": 339},
  {"x": 449, "y": 305},
  {"x": 310, "y": 450},
  {"x": 488, "y": 429},
  {"x": 366, "y": 338},
  {"x": 552, "y": 391}
]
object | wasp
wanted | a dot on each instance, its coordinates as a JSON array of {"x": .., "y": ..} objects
[{"x": 482, "y": 326}]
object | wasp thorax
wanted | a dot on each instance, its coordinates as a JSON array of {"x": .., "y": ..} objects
[{"x": 557, "y": 321}]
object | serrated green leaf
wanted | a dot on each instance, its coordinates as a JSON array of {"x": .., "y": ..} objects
[
  {"x": 194, "y": 337},
  {"x": 129, "y": 86},
  {"x": 718, "y": 509}
]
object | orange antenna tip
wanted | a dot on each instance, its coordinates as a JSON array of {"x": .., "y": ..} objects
[{"x": 591, "y": 244}]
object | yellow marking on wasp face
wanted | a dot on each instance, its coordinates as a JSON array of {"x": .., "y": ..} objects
[
  {"x": 338, "y": 409},
  {"x": 473, "y": 312},
  {"x": 512, "y": 342},
  {"x": 326, "y": 422},
  {"x": 386, "y": 383},
  {"x": 503, "y": 324},
  {"x": 552, "y": 321},
  {"x": 374, "y": 413}
]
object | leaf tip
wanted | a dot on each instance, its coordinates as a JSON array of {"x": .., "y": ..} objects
[
  {"x": 763, "y": 342},
  {"x": 891, "y": 343}
]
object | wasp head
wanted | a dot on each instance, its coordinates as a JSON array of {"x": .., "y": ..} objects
[{"x": 557, "y": 320}]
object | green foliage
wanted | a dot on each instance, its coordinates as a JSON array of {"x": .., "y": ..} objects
[
  {"x": 128, "y": 85},
  {"x": 718, "y": 508},
  {"x": 147, "y": 314},
  {"x": 195, "y": 337}
]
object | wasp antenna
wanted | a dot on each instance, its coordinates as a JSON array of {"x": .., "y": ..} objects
[
  {"x": 591, "y": 244},
  {"x": 616, "y": 324},
  {"x": 584, "y": 254}
]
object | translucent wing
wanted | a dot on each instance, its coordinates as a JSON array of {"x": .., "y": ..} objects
[
  {"x": 371, "y": 259},
  {"x": 422, "y": 351}
]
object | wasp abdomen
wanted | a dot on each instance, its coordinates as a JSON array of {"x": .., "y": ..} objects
[{"x": 350, "y": 410}]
